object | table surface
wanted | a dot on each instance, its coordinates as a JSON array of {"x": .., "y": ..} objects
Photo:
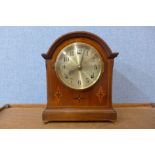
[{"x": 29, "y": 117}]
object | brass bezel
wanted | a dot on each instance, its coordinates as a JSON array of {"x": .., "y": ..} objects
[{"x": 57, "y": 69}]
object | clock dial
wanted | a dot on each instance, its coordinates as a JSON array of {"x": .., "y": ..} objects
[{"x": 79, "y": 65}]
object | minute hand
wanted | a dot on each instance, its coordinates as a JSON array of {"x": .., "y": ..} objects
[{"x": 80, "y": 64}]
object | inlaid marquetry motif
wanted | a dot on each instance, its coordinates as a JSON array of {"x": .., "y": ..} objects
[
  {"x": 100, "y": 94},
  {"x": 58, "y": 95},
  {"x": 79, "y": 98}
]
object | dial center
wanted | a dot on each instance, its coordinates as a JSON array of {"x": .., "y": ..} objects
[{"x": 79, "y": 67}]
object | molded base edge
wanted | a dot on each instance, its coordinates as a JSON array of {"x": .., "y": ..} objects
[{"x": 79, "y": 114}]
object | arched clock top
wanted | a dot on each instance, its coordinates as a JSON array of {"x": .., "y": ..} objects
[{"x": 79, "y": 34}]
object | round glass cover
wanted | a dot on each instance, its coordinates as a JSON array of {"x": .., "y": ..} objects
[{"x": 79, "y": 65}]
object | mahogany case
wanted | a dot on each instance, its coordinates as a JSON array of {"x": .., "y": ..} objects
[{"x": 92, "y": 104}]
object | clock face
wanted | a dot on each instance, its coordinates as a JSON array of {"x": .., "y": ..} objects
[{"x": 79, "y": 65}]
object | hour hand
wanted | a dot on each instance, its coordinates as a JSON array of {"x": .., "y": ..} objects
[{"x": 73, "y": 69}]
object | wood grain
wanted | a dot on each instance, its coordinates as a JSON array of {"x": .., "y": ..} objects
[
  {"x": 140, "y": 116},
  {"x": 115, "y": 105}
]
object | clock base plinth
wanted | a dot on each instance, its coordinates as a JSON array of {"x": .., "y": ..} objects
[{"x": 79, "y": 114}]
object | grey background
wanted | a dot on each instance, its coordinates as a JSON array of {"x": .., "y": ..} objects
[{"x": 23, "y": 74}]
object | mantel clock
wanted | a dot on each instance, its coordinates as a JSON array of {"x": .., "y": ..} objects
[{"x": 79, "y": 68}]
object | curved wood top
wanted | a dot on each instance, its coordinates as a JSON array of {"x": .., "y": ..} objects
[{"x": 80, "y": 34}]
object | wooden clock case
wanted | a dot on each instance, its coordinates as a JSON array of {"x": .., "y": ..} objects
[{"x": 92, "y": 104}]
